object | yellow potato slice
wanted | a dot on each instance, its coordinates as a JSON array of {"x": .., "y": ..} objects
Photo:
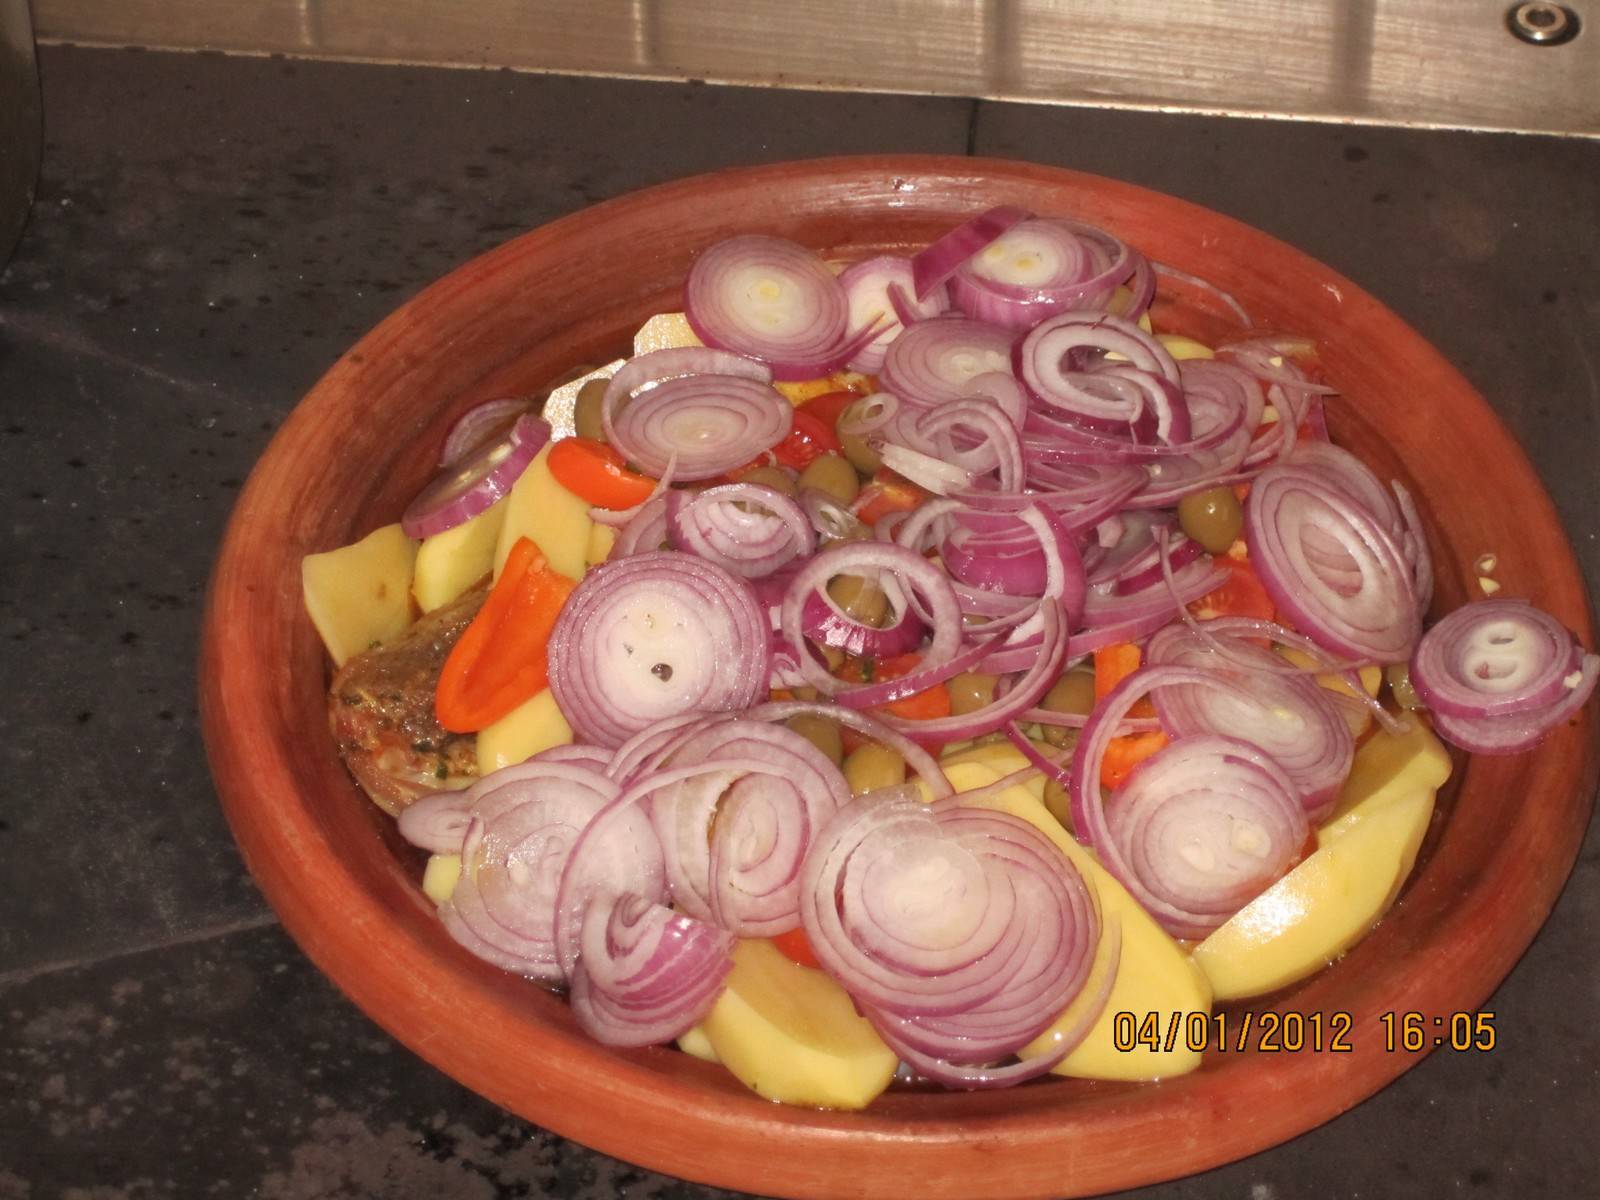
[
  {"x": 1329, "y": 902},
  {"x": 449, "y": 563},
  {"x": 1154, "y": 974},
  {"x": 1182, "y": 348},
  {"x": 534, "y": 725},
  {"x": 557, "y": 521},
  {"x": 790, "y": 1033},
  {"x": 360, "y": 594},
  {"x": 440, "y": 876}
]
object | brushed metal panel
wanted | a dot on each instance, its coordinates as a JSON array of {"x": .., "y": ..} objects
[
  {"x": 21, "y": 125},
  {"x": 1449, "y": 63}
]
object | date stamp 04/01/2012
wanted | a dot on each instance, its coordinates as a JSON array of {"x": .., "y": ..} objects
[{"x": 1291, "y": 1032}]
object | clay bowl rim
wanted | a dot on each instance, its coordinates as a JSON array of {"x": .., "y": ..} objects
[{"x": 349, "y": 895}]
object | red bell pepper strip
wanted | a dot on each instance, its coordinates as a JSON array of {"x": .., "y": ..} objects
[{"x": 500, "y": 659}]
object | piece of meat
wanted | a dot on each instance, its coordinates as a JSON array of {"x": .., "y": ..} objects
[{"x": 380, "y": 706}]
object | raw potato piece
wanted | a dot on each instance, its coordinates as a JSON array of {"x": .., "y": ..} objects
[
  {"x": 360, "y": 595},
  {"x": 440, "y": 876},
  {"x": 601, "y": 539},
  {"x": 449, "y": 563},
  {"x": 534, "y": 725},
  {"x": 1329, "y": 902},
  {"x": 1154, "y": 975},
  {"x": 791, "y": 1034},
  {"x": 557, "y": 521}
]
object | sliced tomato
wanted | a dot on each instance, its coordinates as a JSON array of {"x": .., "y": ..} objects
[
  {"x": 796, "y": 947},
  {"x": 1240, "y": 595},
  {"x": 811, "y": 436},
  {"x": 887, "y": 493}
]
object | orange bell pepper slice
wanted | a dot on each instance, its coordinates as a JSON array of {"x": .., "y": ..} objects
[
  {"x": 887, "y": 493},
  {"x": 500, "y": 659},
  {"x": 1113, "y": 664},
  {"x": 796, "y": 947},
  {"x": 919, "y": 706},
  {"x": 596, "y": 472},
  {"x": 1240, "y": 595}
]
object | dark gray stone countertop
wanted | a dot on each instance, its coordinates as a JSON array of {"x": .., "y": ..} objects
[{"x": 210, "y": 233}]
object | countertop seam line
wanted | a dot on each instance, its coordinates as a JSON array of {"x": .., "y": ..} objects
[{"x": 24, "y": 975}]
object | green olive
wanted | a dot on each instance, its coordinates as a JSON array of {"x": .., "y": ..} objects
[
  {"x": 871, "y": 766},
  {"x": 862, "y": 601},
  {"x": 831, "y": 474},
  {"x": 1072, "y": 693},
  {"x": 1399, "y": 677},
  {"x": 775, "y": 478},
  {"x": 586, "y": 410},
  {"x": 821, "y": 733},
  {"x": 1059, "y": 802},
  {"x": 971, "y": 691},
  {"x": 1212, "y": 517},
  {"x": 862, "y": 456},
  {"x": 831, "y": 655}
]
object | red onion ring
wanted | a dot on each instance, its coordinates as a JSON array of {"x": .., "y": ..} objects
[
  {"x": 719, "y": 526},
  {"x": 654, "y": 635},
  {"x": 646, "y": 975},
  {"x": 524, "y": 821},
  {"x": 1328, "y": 564},
  {"x": 936, "y": 361},
  {"x": 1200, "y": 827},
  {"x": 1039, "y": 268},
  {"x": 1498, "y": 675},
  {"x": 478, "y": 425},
  {"x": 1289, "y": 717},
  {"x": 772, "y": 300},
  {"x": 733, "y": 841},
  {"x": 960, "y": 932},
  {"x": 916, "y": 574},
  {"x": 461, "y": 492},
  {"x": 936, "y": 263},
  {"x": 872, "y": 288}
]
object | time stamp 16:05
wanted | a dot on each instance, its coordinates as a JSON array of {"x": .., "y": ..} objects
[{"x": 1289, "y": 1032}]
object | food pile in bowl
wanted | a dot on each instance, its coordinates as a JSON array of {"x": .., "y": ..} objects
[{"x": 919, "y": 667}]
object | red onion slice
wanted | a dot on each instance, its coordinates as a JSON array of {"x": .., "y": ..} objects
[
  {"x": 652, "y": 636},
  {"x": 936, "y": 361},
  {"x": 734, "y": 841},
  {"x": 773, "y": 300},
  {"x": 646, "y": 974},
  {"x": 647, "y": 531},
  {"x": 916, "y": 575},
  {"x": 1289, "y": 717},
  {"x": 1046, "y": 357},
  {"x": 462, "y": 492},
  {"x": 825, "y": 623},
  {"x": 1498, "y": 675},
  {"x": 1039, "y": 268},
  {"x": 1329, "y": 564},
  {"x": 524, "y": 821},
  {"x": 960, "y": 932},
  {"x": 702, "y": 425},
  {"x": 438, "y": 822},
  {"x": 940, "y": 260},
  {"x": 1200, "y": 827},
  {"x": 479, "y": 425},
  {"x": 871, "y": 289},
  {"x": 746, "y": 528}
]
